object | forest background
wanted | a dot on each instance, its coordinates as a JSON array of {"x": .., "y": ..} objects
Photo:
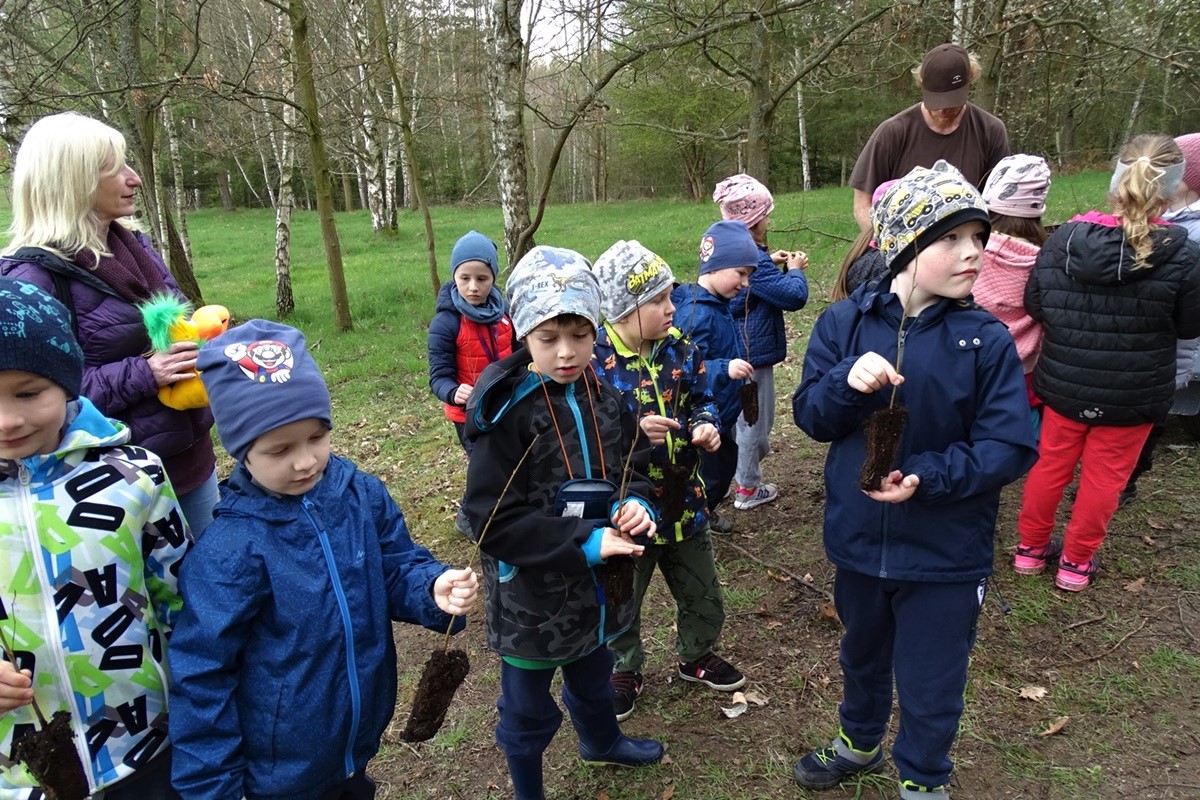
[{"x": 387, "y": 105}]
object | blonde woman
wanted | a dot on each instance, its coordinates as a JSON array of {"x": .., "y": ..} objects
[{"x": 73, "y": 194}]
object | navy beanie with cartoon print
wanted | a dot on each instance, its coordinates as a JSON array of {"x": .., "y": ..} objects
[
  {"x": 36, "y": 336},
  {"x": 727, "y": 244},
  {"x": 259, "y": 377}
]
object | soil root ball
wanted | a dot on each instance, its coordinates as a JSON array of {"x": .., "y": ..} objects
[
  {"x": 444, "y": 672},
  {"x": 675, "y": 484},
  {"x": 50, "y": 756},
  {"x": 749, "y": 396},
  {"x": 883, "y": 430},
  {"x": 616, "y": 575}
]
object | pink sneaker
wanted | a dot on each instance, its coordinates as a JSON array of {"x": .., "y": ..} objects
[
  {"x": 1073, "y": 577},
  {"x": 1032, "y": 560}
]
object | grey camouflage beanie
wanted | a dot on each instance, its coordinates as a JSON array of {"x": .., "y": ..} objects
[
  {"x": 922, "y": 206},
  {"x": 548, "y": 282},
  {"x": 629, "y": 275}
]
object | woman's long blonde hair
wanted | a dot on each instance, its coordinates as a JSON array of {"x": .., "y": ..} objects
[
  {"x": 1138, "y": 194},
  {"x": 55, "y": 176}
]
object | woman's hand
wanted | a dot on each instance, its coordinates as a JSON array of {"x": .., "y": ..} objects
[
  {"x": 175, "y": 365},
  {"x": 462, "y": 394}
]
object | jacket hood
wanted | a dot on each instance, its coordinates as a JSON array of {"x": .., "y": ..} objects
[
  {"x": 1097, "y": 253},
  {"x": 243, "y": 497},
  {"x": 1010, "y": 253},
  {"x": 501, "y": 386},
  {"x": 444, "y": 302},
  {"x": 86, "y": 429},
  {"x": 697, "y": 294}
]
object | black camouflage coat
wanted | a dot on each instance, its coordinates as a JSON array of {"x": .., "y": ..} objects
[{"x": 544, "y": 602}]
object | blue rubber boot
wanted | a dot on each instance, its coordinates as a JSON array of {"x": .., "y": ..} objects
[
  {"x": 526, "y": 774},
  {"x": 624, "y": 752}
]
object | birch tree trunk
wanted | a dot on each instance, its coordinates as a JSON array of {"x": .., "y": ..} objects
[
  {"x": 306, "y": 94},
  {"x": 506, "y": 97},
  {"x": 379, "y": 29},
  {"x": 179, "y": 193},
  {"x": 285, "y": 303},
  {"x": 802, "y": 125}
]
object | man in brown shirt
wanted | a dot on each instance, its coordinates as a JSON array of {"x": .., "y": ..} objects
[{"x": 943, "y": 125}]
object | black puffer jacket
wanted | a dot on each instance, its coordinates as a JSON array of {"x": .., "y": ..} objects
[{"x": 1109, "y": 352}]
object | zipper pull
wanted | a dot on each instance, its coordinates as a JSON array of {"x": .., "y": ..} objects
[{"x": 23, "y": 474}]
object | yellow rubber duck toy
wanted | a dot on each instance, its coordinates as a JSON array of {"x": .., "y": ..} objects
[{"x": 167, "y": 320}]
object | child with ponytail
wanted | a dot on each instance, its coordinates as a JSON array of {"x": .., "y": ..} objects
[{"x": 1113, "y": 292}]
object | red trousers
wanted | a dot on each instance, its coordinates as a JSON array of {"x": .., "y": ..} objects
[{"x": 1106, "y": 455}]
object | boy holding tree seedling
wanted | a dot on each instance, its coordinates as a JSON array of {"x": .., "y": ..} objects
[
  {"x": 662, "y": 378},
  {"x": 283, "y": 663},
  {"x": 91, "y": 535},
  {"x": 913, "y": 551},
  {"x": 556, "y": 494}
]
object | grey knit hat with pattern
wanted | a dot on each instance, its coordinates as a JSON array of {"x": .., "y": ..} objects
[
  {"x": 629, "y": 275},
  {"x": 548, "y": 282},
  {"x": 922, "y": 207}
]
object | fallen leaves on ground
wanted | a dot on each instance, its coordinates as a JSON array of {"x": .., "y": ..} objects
[
  {"x": 1136, "y": 586},
  {"x": 1036, "y": 693},
  {"x": 1055, "y": 726}
]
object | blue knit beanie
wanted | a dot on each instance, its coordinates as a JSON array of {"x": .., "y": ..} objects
[
  {"x": 36, "y": 335},
  {"x": 474, "y": 246},
  {"x": 260, "y": 377},
  {"x": 727, "y": 244}
]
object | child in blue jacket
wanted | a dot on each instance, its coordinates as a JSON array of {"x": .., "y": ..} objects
[
  {"x": 662, "y": 379},
  {"x": 728, "y": 256},
  {"x": 556, "y": 512},
  {"x": 283, "y": 665},
  {"x": 777, "y": 285},
  {"x": 914, "y": 555}
]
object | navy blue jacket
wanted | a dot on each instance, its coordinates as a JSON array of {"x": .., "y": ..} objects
[
  {"x": 283, "y": 666},
  {"x": 757, "y": 310},
  {"x": 968, "y": 434},
  {"x": 704, "y": 319}
]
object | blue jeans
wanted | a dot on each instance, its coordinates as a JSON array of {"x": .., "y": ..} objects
[{"x": 198, "y": 504}]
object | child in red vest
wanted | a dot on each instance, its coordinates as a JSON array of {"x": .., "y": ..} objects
[{"x": 470, "y": 329}]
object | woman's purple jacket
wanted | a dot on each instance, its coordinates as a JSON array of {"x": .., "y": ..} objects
[{"x": 116, "y": 375}]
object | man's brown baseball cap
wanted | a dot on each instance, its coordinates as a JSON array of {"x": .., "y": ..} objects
[{"x": 945, "y": 77}]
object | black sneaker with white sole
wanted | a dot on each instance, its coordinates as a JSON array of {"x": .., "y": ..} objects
[
  {"x": 627, "y": 688},
  {"x": 714, "y": 672}
]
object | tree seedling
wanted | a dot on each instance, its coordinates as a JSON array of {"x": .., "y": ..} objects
[{"x": 49, "y": 751}]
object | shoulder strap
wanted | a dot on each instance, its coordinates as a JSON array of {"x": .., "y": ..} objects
[{"x": 60, "y": 272}]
